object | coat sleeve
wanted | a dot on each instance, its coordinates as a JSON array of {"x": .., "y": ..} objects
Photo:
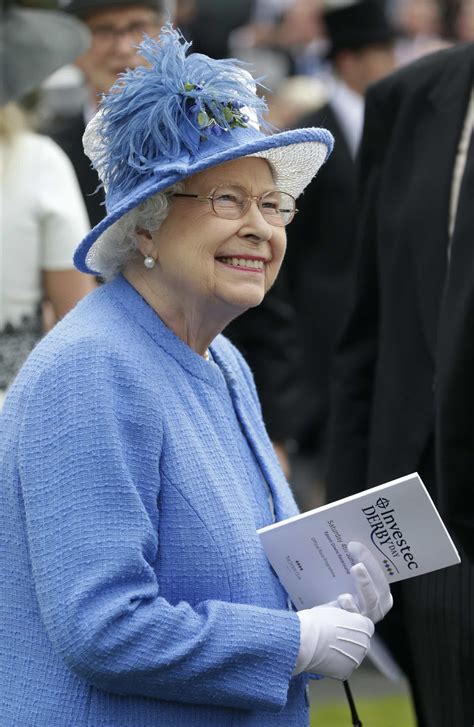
[
  {"x": 356, "y": 351},
  {"x": 90, "y": 434}
]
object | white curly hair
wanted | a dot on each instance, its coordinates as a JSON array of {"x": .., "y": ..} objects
[{"x": 118, "y": 244}]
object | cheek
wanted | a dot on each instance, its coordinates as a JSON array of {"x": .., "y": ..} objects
[
  {"x": 98, "y": 70},
  {"x": 97, "y": 56},
  {"x": 278, "y": 250}
]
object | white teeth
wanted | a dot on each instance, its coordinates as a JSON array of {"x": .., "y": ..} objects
[{"x": 243, "y": 263}]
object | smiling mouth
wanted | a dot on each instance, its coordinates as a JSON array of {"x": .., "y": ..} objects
[{"x": 241, "y": 263}]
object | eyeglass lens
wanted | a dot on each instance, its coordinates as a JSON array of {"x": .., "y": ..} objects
[{"x": 232, "y": 202}]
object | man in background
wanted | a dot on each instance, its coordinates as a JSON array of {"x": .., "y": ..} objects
[
  {"x": 116, "y": 26},
  {"x": 404, "y": 369},
  {"x": 321, "y": 238}
]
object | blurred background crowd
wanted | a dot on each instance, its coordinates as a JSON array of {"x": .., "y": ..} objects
[
  {"x": 316, "y": 59},
  {"x": 286, "y": 41}
]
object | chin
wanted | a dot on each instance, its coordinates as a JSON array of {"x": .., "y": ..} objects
[
  {"x": 244, "y": 302},
  {"x": 241, "y": 298}
]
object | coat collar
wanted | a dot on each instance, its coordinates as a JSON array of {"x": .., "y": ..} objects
[
  {"x": 248, "y": 414},
  {"x": 124, "y": 294}
]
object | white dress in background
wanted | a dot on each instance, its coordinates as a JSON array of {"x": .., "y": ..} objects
[{"x": 42, "y": 219}]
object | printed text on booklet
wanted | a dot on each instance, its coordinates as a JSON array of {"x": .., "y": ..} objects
[{"x": 397, "y": 521}]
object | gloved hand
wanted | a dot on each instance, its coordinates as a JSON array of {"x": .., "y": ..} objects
[
  {"x": 333, "y": 642},
  {"x": 373, "y": 599}
]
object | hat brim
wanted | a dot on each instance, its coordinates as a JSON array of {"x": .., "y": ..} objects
[
  {"x": 295, "y": 157},
  {"x": 35, "y": 43}
]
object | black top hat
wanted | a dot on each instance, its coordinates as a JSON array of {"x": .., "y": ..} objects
[
  {"x": 357, "y": 25},
  {"x": 33, "y": 44},
  {"x": 83, "y": 8}
]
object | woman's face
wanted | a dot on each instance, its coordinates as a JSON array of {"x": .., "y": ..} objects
[{"x": 205, "y": 260}]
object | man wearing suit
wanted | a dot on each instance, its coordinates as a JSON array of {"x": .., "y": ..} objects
[
  {"x": 404, "y": 373},
  {"x": 320, "y": 239},
  {"x": 116, "y": 27}
]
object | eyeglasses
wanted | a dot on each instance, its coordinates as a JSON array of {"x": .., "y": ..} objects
[
  {"x": 109, "y": 35},
  {"x": 233, "y": 202}
]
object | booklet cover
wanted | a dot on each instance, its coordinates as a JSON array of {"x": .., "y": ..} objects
[{"x": 397, "y": 521}]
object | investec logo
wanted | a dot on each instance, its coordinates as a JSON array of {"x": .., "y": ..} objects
[{"x": 387, "y": 536}]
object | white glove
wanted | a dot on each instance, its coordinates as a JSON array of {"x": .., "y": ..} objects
[
  {"x": 333, "y": 642},
  {"x": 373, "y": 599}
]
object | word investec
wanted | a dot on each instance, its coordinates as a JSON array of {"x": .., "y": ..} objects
[{"x": 386, "y": 530}]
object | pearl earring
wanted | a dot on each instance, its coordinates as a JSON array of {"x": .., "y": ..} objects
[{"x": 149, "y": 262}]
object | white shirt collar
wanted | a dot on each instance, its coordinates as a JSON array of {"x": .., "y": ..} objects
[
  {"x": 349, "y": 109},
  {"x": 89, "y": 110}
]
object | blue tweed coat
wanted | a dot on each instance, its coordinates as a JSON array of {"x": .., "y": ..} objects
[{"x": 133, "y": 588}]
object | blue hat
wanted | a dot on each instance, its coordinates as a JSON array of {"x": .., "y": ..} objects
[{"x": 176, "y": 116}]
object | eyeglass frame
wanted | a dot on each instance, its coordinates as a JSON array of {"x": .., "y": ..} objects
[
  {"x": 108, "y": 35},
  {"x": 249, "y": 198}
]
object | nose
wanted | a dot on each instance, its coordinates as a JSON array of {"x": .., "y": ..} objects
[{"x": 254, "y": 225}]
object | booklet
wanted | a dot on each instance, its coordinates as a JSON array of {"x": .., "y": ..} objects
[{"x": 397, "y": 521}]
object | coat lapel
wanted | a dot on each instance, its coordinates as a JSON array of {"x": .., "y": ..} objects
[
  {"x": 436, "y": 138},
  {"x": 257, "y": 437},
  {"x": 342, "y": 145}
]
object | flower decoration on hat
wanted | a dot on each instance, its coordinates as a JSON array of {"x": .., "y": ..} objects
[
  {"x": 168, "y": 111},
  {"x": 208, "y": 121}
]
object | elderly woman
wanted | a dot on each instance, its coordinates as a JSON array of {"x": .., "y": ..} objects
[{"x": 135, "y": 466}]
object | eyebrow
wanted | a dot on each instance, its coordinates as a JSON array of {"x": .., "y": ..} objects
[{"x": 234, "y": 183}]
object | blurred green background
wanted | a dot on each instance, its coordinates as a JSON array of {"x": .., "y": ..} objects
[
  {"x": 379, "y": 701},
  {"x": 373, "y": 712}
]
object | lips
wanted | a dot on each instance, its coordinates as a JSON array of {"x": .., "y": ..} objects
[{"x": 244, "y": 263}]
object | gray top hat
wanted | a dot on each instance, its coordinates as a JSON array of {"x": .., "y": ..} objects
[{"x": 33, "y": 44}]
